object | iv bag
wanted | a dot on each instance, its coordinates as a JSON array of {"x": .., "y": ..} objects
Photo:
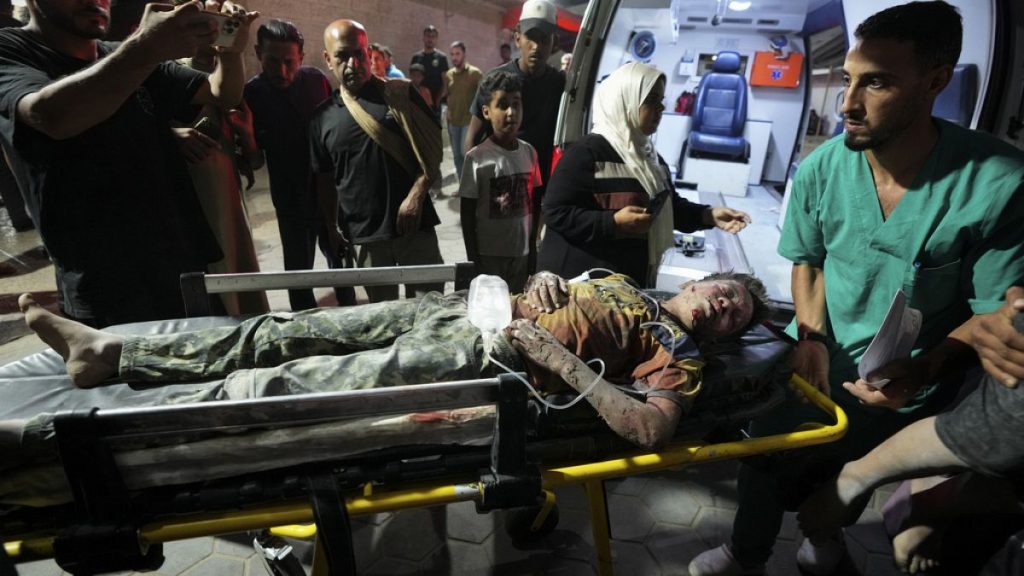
[{"x": 490, "y": 308}]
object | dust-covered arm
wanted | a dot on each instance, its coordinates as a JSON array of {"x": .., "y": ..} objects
[
  {"x": 647, "y": 424},
  {"x": 546, "y": 291}
]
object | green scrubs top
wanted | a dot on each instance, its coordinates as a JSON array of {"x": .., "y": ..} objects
[{"x": 954, "y": 243}]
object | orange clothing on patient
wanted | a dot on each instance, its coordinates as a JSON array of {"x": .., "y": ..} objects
[{"x": 602, "y": 319}]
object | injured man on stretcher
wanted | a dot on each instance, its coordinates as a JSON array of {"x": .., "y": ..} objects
[{"x": 557, "y": 326}]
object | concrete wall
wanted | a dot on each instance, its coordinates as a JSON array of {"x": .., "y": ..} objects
[{"x": 395, "y": 23}]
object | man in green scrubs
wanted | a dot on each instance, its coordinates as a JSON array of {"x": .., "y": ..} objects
[{"x": 901, "y": 201}]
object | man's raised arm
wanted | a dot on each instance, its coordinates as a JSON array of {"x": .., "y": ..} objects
[
  {"x": 73, "y": 104},
  {"x": 227, "y": 81}
]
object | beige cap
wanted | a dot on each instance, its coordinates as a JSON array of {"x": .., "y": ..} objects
[{"x": 538, "y": 14}]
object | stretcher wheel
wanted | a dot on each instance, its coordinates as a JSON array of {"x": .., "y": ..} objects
[
  {"x": 277, "y": 555},
  {"x": 519, "y": 524},
  {"x": 287, "y": 566}
]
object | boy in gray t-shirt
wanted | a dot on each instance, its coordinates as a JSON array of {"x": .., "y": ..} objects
[{"x": 498, "y": 179}]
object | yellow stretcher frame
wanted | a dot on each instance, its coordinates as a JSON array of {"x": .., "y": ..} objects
[{"x": 289, "y": 516}]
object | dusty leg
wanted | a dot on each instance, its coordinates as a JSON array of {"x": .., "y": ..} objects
[{"x": 91, "y": 356}]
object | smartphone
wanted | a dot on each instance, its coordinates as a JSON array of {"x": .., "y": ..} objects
[
  {"x": 227, "y": 26},
  {"x": 658, "y": 202}
]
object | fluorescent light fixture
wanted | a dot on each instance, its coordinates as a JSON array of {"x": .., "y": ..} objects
[{"x": 737, "y": 6}]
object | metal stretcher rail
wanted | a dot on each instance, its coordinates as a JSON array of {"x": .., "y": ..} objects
[
  {"x": 305, "y": 409},
  {"x": 590, "y": 475},
  {"x": 196, "y": 287}
]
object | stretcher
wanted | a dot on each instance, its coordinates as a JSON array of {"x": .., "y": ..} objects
[{"x": 100, "y": 478}]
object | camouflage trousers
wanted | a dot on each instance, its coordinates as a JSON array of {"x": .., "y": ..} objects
[{"x": 429, "y": 339}]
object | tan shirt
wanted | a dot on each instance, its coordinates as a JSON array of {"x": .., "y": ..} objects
[{"x": 462, "y": 85}]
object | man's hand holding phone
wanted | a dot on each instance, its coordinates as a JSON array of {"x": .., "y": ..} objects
[
  {"x": 229, "y": 23},
  {"x": 233, "y": 24},
  {"x": 168, "y": 32}
]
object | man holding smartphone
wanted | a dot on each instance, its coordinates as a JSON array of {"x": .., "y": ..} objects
[{"x": 86, "y": 126}]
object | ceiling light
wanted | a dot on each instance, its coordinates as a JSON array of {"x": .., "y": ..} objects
[{"x": 737, "y": 6}]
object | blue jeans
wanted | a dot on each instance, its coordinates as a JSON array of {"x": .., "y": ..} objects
[{"x": 458, "y": 135}]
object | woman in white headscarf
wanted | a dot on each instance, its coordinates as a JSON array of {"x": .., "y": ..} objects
[{"x": 610, "y": 202}]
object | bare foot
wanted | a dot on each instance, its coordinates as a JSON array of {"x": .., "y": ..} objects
[
  {"x": 911, "y": 516},
  {"x": 91, "y": 356},
  {"x": 915, "y": 550}
]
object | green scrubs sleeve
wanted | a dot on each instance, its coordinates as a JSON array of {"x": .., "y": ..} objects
[
  {"x": 998, "y": 262},
  {"x": 802, "y": 241}
]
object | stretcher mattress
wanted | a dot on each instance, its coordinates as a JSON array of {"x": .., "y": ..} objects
[{"x": 35, "y": 389}]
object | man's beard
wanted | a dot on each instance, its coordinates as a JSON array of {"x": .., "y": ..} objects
[
  {"x": 874, "y": 139},
  {"x": 860, "y": 145},
  {"x": 877, "y": 137},
  {"x": 66, "y": 22}
]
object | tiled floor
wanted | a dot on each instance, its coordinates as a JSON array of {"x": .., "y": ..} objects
[{"x": 659, "y": 522}]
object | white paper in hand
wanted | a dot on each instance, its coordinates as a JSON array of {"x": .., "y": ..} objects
[{"x": 895, "y": 339}]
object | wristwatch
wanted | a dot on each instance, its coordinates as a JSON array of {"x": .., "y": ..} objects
[{"x": 814, "y": 337}]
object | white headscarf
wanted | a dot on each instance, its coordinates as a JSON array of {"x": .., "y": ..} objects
[{"x": 617, "y": 118}]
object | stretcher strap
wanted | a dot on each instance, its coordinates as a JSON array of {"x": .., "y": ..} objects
[
  {"x": 508, "y": 449},
  {"x": 96, "y": 484},
  {"x": 334, "y": 531},
  {"x": 511, "y": 480},
  {"x": 105, "y": 536}
]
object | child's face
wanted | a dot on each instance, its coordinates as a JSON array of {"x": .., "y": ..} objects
[
  {"x": 504, "y": 112},
  {"x": 416, "y": 77},
  {"x": 377, "y": 64}
]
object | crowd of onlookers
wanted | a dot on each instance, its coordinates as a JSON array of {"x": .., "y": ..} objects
[{"x": 361, "y": 206}]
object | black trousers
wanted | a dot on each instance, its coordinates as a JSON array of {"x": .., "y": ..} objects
[
  {"x": 12, "y": 198},
  {"x": 299, "y": 239}
]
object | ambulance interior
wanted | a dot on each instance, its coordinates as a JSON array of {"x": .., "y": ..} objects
[{"x": 771, "y": 72}]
